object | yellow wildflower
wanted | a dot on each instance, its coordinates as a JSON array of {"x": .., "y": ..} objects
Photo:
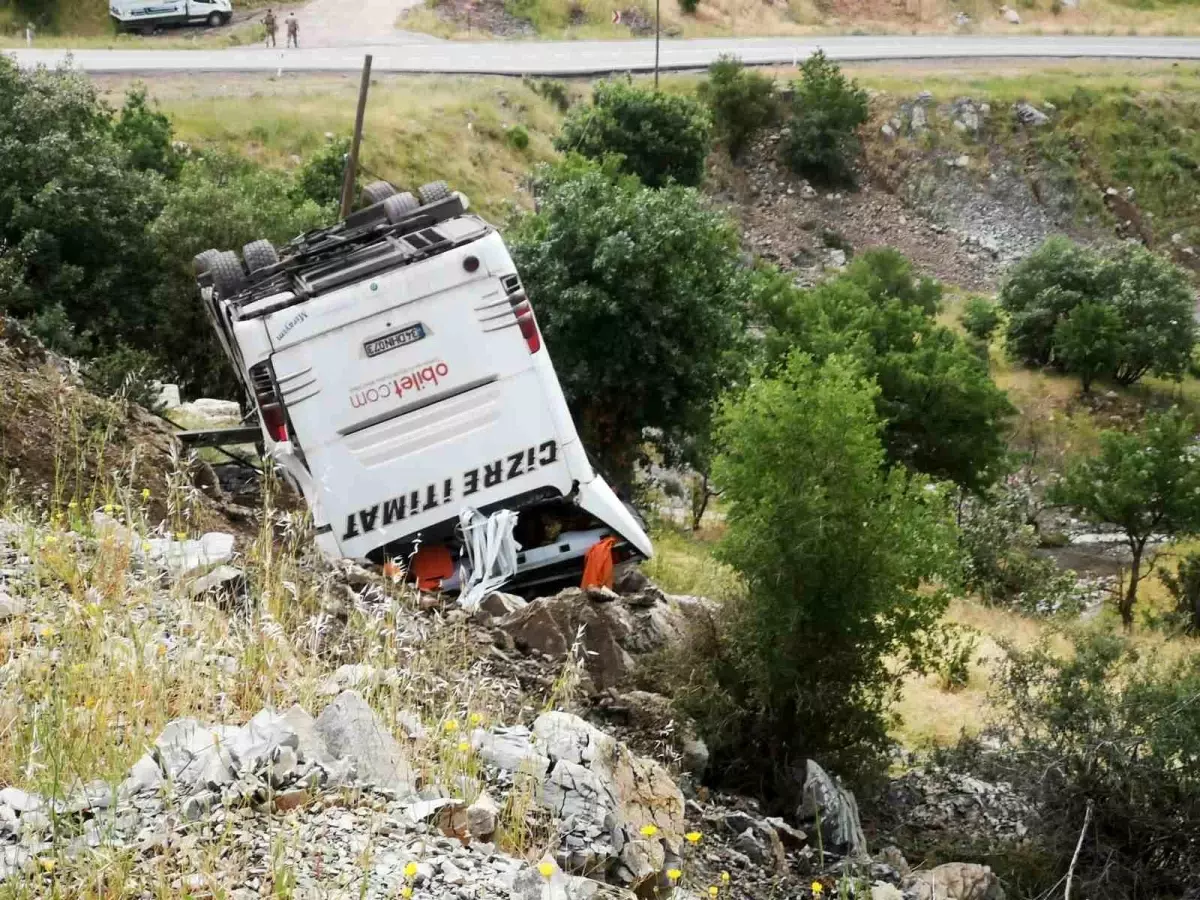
[
  {"x": 406, "y": 892},
  {"x": 725, "y": 878},
  {"x": 410, "y": 870},
  {"x": 475, "y": 719},
  {"x": 145, "y": 493},
  {"x": 674, "y": 874},
  {"x": 146, "y": 548},
  {"x": 817, "y": 888},
  {"x": 464, "y": 747},
  {"x": 546, "y": 869},
  {"x": 72, "y": 505},
  {"x": 693, "y": 837},
  {"x": 181, "y": 535},
  {"x": 649, "y": 830},
  {"x": 713, "y": 891},
  {"x": 48, "y": 631},
  {"x": 451, "y": 726},
  {"x": 47, "y": 864},
  {"x": 108, "y": 509}
]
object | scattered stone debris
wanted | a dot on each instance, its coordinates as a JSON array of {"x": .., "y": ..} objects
[{"x": 1028, "y": 114}]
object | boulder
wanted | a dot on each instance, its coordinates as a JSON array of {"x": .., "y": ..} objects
[
  {"x": 352, "y": 731},
  {"x": 622, "y": 813},
  {"x": 631, "y": 580},
  {"x": 510, "y": 750},
  {"x": 497, "y": 604},
  {"x": 221, "y": 582},
  {"x": 1028, "y": 114},
  {"x": 957, "y": 881},
  {"x": 835, "y": 808},
  {"x": 612, "y": 628},
  {"x": 11, "y": 607},
  {"x": 482, "y": 816},
  {"x": 215, "y": 410},
  {"x": 881, "y": 890}
]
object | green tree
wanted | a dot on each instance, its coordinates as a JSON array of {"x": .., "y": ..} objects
[
  {"x": 1150, "y": 296},
  {"x": 1145, "y": 483},
  {"x": 980, "y": 318},
  {"x": 943, "y": 414},
  {"x": 838, "y": 553},
  {"x": 320, "y": 178},
  {"x": 659, "y": 137},
  {"x": 741, "y": 101},
  {"x": 146, "y": 135},
  {"x": 74, "y": 213},
  {"x": 821, "y": 140},
  {"x": 1087, "y": 341},
  {"x": 640, "y": 296}
]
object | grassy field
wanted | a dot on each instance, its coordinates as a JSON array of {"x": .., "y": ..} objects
[{"x": 418, "y": 129}]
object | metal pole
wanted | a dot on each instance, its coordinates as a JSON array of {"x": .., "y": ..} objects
[
  {"x": 656, "y": 30},
  {"x": 352, "y": 161}
]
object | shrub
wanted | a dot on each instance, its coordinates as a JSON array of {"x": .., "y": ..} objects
[
  {"x": 837, "y": 553},
  {"x": 639, "y": 294},
  {"x": 1145, "y": 483},
  {"x": 980, "y": 318},
  {"x": 554, "y": 91},
  {"x": 321, "y": 177},
  {"x": 1000, "y": 563},
  {"x": 943, "y": 414},
  {"x": 659, "y": 137},
  {"x": 518, "y": 136},
  {"x": 1149, "y": 325},
  {"x": 1104, "y": 735},
  {"x": 146, "y": 135},
  {"x": 821, "y": 140},
  {"x": 1184, "y": 587},
  {"x": 741, "y": 102}
]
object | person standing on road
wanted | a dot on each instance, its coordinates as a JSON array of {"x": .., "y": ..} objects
[
  {"x": 269, "y": 24},
  {"x": 293, "y": 30}
]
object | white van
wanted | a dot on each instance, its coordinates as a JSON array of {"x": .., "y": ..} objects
[
  {"x": 399, "y": 375},
  {"x": 147, "y": 15}
]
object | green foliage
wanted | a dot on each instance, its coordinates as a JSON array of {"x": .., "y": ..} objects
[
  {"x": 943, "y": 414},
  {"x": 659, "y": 137},
  {"x": 821, "y": 140},
  {"x": 1184, "y": 587},
  {"x": 1000, "y": 563},
  {"x": 980, "y": 318},
  {"x": 640, "y": 296},
  {"x": 145, "y": 134},
  {"x": 954, "y": 668},
  {"x": 320, "y": 178},
  {"x": 689, "y": 6},
  {"x": 1145, "y": 483},
  {"x": 1088, "y": 341},
  {"x": 1149, "y": 325},
  {"x": 550, "y": 89},
  {"x": 741, "y": 102},
  {"x": 1104, "y": 729},
  {"x": 74, "y": 214},
  {"x": 518, "y": 136},
  {"x": 838, "y": 553},
  {"x": 126, "y": 373}
]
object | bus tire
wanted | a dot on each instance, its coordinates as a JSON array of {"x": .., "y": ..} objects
[
  {"x": 259, "y": 255},
  {"x": 229, "y": 278},
  {"x": 433, "y": 192}
]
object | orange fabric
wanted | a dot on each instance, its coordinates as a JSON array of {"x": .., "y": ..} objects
[
  {"x": 598, "y": 564},
  {"x": 431, "y": 565}
]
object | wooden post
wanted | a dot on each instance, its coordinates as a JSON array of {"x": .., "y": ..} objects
[
  {"x": 352, "y": 161},
  {"x": 656, "y": 31}
]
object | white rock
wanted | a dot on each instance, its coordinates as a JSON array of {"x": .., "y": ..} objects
[
  {"x": 881, "y": 890},
  {"x": 168, "y": 396},
  {"x": 20, "y": 801},
  {"x": 352, "y": 731},
  {"x": 509, "y": 749},
  {"x": 208, "y": 408},
  {"x": 184, "y": 557},
  {"x": 11, "y": 607},
  {"x": 227, "y": 580}
]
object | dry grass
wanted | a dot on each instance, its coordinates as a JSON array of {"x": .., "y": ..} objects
[{"x": 418, "y": 129}]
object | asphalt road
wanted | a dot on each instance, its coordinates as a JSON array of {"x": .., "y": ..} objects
[{"x": 399, "y": 54}]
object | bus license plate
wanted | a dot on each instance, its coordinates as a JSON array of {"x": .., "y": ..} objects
[{"x": 394, "y": 339}]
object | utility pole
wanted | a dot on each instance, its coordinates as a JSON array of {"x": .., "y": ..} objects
[
  {"x": 657, "y": 3},
  {"x": 352, "y": 160}
]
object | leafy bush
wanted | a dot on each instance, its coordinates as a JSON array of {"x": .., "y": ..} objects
[
  {"x": 659, "y": 137},
  {"x": 638, "y": 293},
  {"x": 518, "y": 136},
  {"x": 1184, "y": 587},
  {"x": 821, "y": 140},
  {"x": 1145, "y": 483},
  {"x": 321, "y": 177},
  {"x": 554, "y": 91},
  {"x": 943, "y": 414},
  {"x": 980, "y": 318},
  {"x": 145, "y": 134},
  {"x": 837, "y": 553},
  {"x": 1104, "y": 736},
  {"x": 999, "y": 560},
  {"x": 131, "y": 374},
  {"x": 741, "y": 102},
  {"x": 689, "y": 6},
  {"x": 1148, "y": 326}
]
